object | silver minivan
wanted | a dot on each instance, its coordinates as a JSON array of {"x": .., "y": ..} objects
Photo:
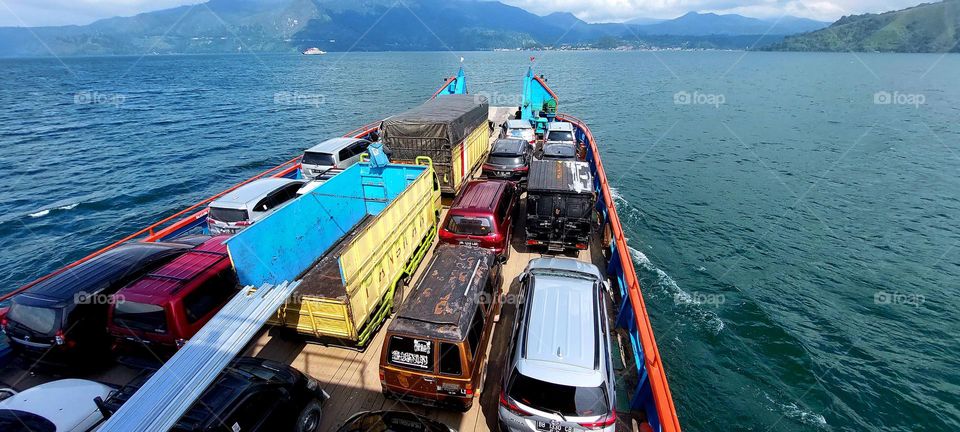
[
  {"x": 249, "y": 203},
  {"x": 559, "y": 373},
  {"x": 328, "y": 158},
  {"x": 559, "y": 142}
]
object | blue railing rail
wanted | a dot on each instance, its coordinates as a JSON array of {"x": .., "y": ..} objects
[{"x": 653, "y": 392}]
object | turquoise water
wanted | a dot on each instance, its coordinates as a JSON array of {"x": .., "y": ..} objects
[{"x": 796, "y": 235}]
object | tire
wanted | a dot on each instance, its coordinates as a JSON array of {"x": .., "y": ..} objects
[
  {"x": 397, "y": 296},
  {"x": 309, "y": 418}
]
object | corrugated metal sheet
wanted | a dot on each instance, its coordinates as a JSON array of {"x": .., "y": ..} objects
[
  {"x": 560, "y": 176},
  {"x": 158, "y": 405}
]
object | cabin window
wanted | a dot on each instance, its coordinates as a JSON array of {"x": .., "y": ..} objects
[
  {"x": 478, "y": 226},
  {"x": 323, "y": 159},
  {"x": 476, "y": 331},
  {"x": 560, "y": 136},
  {"x": 140, "y": 316},
  {"x": 487, "y": 300},
  {"x": 227, "y": 215},
  {"x": 249, "y": 415},
  {"x": 411, "y": 353},
  {"x": 278, "y": 197},
  {"x": 450, "y": 363},
  {"x": 39, "y": 319},
  {"x": 208, "y": 296}
]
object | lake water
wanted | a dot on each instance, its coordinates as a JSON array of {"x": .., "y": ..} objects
[{"x": 793, "y": 216}]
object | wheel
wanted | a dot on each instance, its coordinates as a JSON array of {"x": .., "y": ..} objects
[
  {"x": 397, "y": 296},
  {"x": 309, "y": 419}
]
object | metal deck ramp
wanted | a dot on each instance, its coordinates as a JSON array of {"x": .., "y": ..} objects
[{"x": 179, "y": 383}]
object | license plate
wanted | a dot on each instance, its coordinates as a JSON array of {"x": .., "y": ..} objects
[
  {"x": 503, "y": 173},
  {"x": 553, "y": 426},
  {"x": 469, "y": 243}
]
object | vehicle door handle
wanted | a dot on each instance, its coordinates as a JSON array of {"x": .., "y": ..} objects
[{"x": 430, "y": 380}]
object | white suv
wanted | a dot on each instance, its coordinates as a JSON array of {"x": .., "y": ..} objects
[
  {"x": 559, "y": 376},
  {"x": 65, "y": 405}
]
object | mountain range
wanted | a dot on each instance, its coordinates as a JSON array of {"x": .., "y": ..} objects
[
  {"x": 929, "y": 27},
  {"x": 220, "y": 26}
]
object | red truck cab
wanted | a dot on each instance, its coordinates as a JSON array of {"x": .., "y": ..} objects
[
  {"x": 166, "y": 307},
  {"x": 482, "y": 215}
]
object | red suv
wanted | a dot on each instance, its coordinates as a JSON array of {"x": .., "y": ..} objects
[
  {"x": 168, "y": 306},
  {"x": 482, "y": 215}
]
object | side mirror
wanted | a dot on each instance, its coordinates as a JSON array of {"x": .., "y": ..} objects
[
  {"x": 102, "y": 407},
  {"x": 502, "y": 259}
]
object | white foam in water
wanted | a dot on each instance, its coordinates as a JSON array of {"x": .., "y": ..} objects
[
  {"x": 680, "y": 297},
  {"x": 45, "y": 212},
  {"x": 793, "y": 411}
]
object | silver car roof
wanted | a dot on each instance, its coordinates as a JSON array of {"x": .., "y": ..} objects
[
  {"x": 251, "y": 192},
  {"x": 333, "y": 145},
  {"x": 563, "y": 351},
  {"x": 519, "y": 124},
  {"x": 566, "y": 265},
  {"x": 560, "y": 126}
]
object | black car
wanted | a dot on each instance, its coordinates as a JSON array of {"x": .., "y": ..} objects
[
  {"x": 62, "y": 320},
  {"x": 509, "y": 159},
  {"x": 392, "y": 421},
  {"x": 251, "y": 394}
]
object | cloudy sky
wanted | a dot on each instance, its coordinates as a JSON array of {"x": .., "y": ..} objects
[{"x": 61, "y": 12}]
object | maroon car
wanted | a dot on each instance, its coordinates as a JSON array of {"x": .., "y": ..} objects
[{"x": 482, "y": 215}]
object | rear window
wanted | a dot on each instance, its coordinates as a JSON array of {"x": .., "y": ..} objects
[
  {"x": 311, "y": 158},
  {"x": 22, "y": 421},
  {"x": 140, "y": 316},
  {"x": 479, "y": 226},
  {"x": 560, "y": 150},
  {"x": 560, "y": 136},
  {"x": 506, "y": 160},
  {"x": 37, "y": 319},
  {"x": 411, "y": 353},
  {"x": 566, "y": 400},
  {"x": 227, "y": 215}
]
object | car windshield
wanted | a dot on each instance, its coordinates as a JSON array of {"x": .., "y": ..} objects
[
  {"x": 518, "y": 133},
  {"x": 140, "y": 316},
  {"x": 312, "y": 158},
  {"x": 506, "y": 160},
  {"x": 559, "y": 150},
  {"x": 227, "y": 215},
  {"x": 560, "y": 136},
  {"x": 38, "y": 319},
  {"x": 22, "y": 421},
  {"x": 568, "y": 401},
  {"x": 479, "y": 226}
]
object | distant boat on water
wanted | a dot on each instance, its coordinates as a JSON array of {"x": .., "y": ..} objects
[{"x": 314, "y": 51}]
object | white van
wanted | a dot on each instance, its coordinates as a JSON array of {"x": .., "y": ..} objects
[{"x": 328, "y": 158}]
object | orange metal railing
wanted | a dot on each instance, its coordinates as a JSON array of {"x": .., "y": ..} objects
[{"x": 662, "y": 398}]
